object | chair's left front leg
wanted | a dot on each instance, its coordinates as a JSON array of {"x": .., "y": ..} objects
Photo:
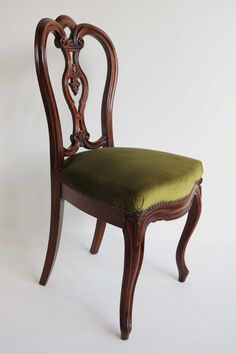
[
  {"x": 134, "y": 235},
  {"x": 191, "y": 222}
]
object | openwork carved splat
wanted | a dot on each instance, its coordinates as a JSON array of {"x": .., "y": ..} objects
[{"x": 74, "y": 81}]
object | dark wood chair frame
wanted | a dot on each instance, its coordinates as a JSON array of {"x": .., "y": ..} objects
[{"x": 134, "y": 224}]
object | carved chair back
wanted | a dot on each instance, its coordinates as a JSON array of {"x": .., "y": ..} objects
[{"x": 73, "y": 80}]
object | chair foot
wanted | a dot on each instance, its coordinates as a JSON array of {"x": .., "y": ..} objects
[
  {"x": 42, "y": 281},
  {"x": 134, "y": 248},
  {"x": 183, "y": 275},
  {"x": 191, "y": 222},
  {"x": 98, "y": 236},
  {"x": 57, "y": 209},
  {"x": 125, "y": 334}
]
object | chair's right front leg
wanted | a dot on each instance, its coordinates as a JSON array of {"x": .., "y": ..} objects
[
  {"x": 134, "y": 235},
  {"x": 191, "y": 222}
]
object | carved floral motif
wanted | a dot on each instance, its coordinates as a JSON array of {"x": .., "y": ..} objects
[{"x": 74, "y": 82}]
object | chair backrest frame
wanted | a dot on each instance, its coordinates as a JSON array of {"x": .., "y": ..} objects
[{"x": 73, "y": 79}]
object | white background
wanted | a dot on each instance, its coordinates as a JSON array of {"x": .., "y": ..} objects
[{"x": 176, "y": 92}]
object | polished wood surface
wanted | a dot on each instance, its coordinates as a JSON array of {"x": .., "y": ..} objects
[
  {"x": 134, "y": 224},
  {"x": 98, "y": 236}
]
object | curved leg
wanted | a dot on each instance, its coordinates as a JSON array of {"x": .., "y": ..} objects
[
  {"x": 134, "y": 249},
  {"x": 98, "y": 235},
  {"x": 191, "y": 222},
  {"x": 57, "y": 209}
]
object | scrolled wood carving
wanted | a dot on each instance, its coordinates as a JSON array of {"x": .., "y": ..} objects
[
  {"x": 163, "y": 211},
  {"x": 74, "y": 81}
]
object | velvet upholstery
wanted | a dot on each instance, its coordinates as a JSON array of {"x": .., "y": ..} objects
[{"x": 131, "y": 179}]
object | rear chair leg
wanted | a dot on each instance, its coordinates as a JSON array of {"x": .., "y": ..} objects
[
  {"x": 57, "y": 209},
  {"x": 98, "y": 236}
]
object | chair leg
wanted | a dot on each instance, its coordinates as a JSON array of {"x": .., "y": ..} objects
[
  {"x": 134, "y": 249},
  {"x": 191, "y": 222},
  {"x": 98, "y": 235},
  {"x": 57, "y": 209}
]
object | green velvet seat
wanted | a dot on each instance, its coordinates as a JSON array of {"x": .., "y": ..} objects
[{"x": 131, "y": 179}]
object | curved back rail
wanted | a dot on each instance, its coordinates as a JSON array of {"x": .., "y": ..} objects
[{"x": 73, "y": 79}]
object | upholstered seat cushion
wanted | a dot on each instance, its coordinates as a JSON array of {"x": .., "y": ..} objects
[{"x": 131, "y": 178}]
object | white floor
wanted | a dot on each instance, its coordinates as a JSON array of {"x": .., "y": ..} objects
[{"x": 77, "y": 312}]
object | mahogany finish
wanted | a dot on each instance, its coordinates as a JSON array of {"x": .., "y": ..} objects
[
  {"x": 134, "y": 225},
  {"x": 97, "y": 239}
]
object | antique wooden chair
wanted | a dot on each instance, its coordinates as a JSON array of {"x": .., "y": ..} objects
[{"x": 126, "y": 187}]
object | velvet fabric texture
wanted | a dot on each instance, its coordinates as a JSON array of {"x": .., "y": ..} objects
[{"x": 131, "y": 179}]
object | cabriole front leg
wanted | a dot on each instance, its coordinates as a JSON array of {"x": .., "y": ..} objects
[
  {"x": 134, "y": 249},
  {"x": 191, "y": 222}
]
